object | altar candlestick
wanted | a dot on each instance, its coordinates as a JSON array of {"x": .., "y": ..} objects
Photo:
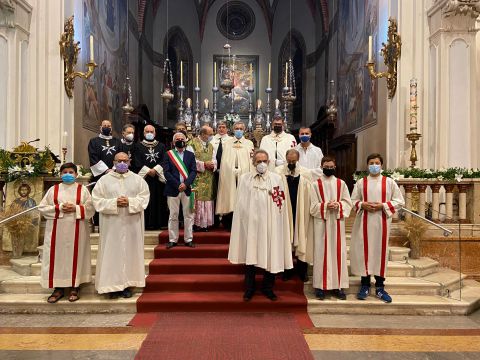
[
  {"x": 269, "y": 73},
  {"x": 370, "y": 49},
  {"x": 91, "y": 49},
  {"x": 196, "y": 66},
  {"x": 286, "y": 74},
  {"x": 181, "y": 73}
]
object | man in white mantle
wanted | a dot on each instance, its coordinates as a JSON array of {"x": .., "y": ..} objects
[
  {"x": 260, "y": 230},
  {"x": 120, "y": 197},
  {"x": 277, "y": 143}
]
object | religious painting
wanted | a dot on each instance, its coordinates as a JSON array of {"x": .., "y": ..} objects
[
  {"x": 357, "y": 94},
  {"x": 104, "y": 93},
  {"x": 242, "y": 79},
  {"x": 24, "y": 194}
]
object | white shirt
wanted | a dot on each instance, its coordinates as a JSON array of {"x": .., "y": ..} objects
[{"x": 310, "y": 157}]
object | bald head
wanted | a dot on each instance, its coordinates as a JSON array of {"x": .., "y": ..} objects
[
  {"x": 205, "y": 132},
  {"x": 121, "y": 157}
]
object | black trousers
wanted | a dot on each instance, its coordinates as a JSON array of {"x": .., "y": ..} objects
[
  {"x": 300, "y": 268},
  {"x": 267, "y": 283},
  {"x": 379, "y": 281}
]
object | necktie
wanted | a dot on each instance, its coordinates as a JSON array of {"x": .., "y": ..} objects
[{"x": 219, "y": 153}]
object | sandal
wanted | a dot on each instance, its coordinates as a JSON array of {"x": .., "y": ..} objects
[
  {"x": 56, "y": 295},
  {"x": 74, "y": 295}
]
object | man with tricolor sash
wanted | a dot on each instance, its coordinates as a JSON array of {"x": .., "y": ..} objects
[
  {"x": 330, "y": 205},
  {"x": 180, "y": 170},
  {"x": 375, "y": 199}
]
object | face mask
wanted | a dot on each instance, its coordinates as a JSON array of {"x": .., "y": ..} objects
[
  {"x": 328, "y": 172},
  {"x": 262, "y": 167},
  {"x": 304, "y": 138},
  {"x": 180, "y": 144},
  {"x": 210, "y": 138},
  {"x": 238, "y": 134},
  {"x": 106, "y": 131},
  {"x": 277, "y": 129},
  {"x": 291, "y": 167},
  {"x": 374, "y": 169},
  {"x": 149, "y": 136},
  {"x": 68, "y": 178},
  {"x": 129, "y": 137},
  {"x": 122, "y": 167}
]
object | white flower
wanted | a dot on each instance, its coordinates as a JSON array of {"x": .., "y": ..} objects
[
  {"x": 458, "y": 177},
  {"x": 428, "y": 171},
  {"x": 396, "y": 176},
  {"x": 470, "y": 171},
  {"x": 14, "y": 169},
  {"x": 440, "y": 177},
  {"x": 29, "y": 169}
]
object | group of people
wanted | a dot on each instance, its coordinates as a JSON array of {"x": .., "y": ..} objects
[{"x": 282, "y": 202}]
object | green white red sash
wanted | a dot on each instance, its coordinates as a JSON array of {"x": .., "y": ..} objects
[{"x": 182, "y": 169}]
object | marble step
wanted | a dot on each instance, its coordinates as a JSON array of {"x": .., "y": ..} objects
[
  {"x": 36, "y": 268},
  {"x": 87, "y": 304},
  {"x": 442, "y": 283},
  {"x": 465, "y": 304},
  {"x": 31, "y": 285},
  {"x": 151, "y": 238}
]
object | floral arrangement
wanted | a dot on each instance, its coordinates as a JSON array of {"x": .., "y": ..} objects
[
  {"x": 11, "y": 169},
  {"x": 450, "y": 174},
  {"x": 19, "y": 227},
  {"x": 231, "y": 119},
  {"x": 414, "y": 230}
]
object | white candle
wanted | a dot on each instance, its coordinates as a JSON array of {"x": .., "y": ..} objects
[
  {"x": 91, "y": 49},
  {"x": 370, "y": 49},
  {"x": 65, "y": 138},
  {"x": 413, "y": 105},
  {"x": 251, "y": 75},
  {"x": 196, "y": 66},
  {"x": 181, "y": 73},
  {"x": 269, "y": 73},
  {"x": 286, "y": 74},
  {"x": 215, "y": 74}
]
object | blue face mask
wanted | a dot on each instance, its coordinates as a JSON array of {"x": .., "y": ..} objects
[
  {"x": 149, "y": 136},
  {"x": 304, "y": 138},
  {"x": 210, "y": 138},
  {"x": 374, "y": 169},
  {"x": 238, "y": 134},
  {"x": 68, "y": 178}
]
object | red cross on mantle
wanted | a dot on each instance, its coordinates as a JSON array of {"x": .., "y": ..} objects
[{"x": 278, "y": 196}]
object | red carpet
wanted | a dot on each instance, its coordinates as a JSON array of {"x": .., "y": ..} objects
[
  {"x": 232, "y": 336},
  {"x": 201, "y": 279}
]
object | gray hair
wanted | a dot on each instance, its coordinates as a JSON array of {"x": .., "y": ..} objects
[
  {"x": 128, "y": 126},
  {"x": 178, "y": 134},
  {"x": 239, "y": 123},
  {"x": 259, "y": 151},
  {"x": 222, "y": 122},
  {"x": 293, "y": 151}
]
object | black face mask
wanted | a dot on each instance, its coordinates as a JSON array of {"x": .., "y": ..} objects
[
  {"x": 277, "y": 129},
  {"x": 180, "y": 144},
  {"x": 291, "y": 167},
  {"x": 328, "y": 172},
  {"x": 106, "y": 131}
]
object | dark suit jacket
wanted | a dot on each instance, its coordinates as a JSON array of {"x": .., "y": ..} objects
[{"x": 173, "y": 176}]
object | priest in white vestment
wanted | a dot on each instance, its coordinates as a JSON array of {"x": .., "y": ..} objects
[
  {"x": 236, "y": 161},
  {"x": 120, "y": 197},
  {"x": 330, "y": 206},
  {"x": 297, "y": 181},
  {"x": 67, "y": 207},
  {"x": 277, "y": 143},
  {"x": 260, "y": 229},
  {"x": 375, "y": 199}
]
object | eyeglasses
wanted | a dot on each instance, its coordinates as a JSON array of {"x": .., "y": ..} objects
[{"x": 329, "y": 168}]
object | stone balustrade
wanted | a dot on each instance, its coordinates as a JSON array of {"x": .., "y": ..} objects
[{"x": 443, "y": 201}]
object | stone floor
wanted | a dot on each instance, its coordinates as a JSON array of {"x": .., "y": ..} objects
[{"x": 339, "y": 337}]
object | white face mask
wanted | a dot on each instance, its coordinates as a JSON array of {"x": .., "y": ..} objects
[
  {"x": 129, "y": 137},
  {"x": 262, "y": 167},
  {"x": 149, "y": 136}
]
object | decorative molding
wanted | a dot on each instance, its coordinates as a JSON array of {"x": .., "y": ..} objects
[
  {"x": 461, "y": 7},
  {"x": 15, "y": 13}
]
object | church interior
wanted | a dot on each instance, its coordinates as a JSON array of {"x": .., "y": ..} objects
[{"x": 393, "y": 77}]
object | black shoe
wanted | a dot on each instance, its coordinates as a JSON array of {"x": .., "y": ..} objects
[
  {"x": 339, "y": 294},
  {"x": 114, "y": 295},
  {"x": 127, "y": 293},
  {"x": 269, "y": 294},
  {"x": 320, "y": 294},
  {"x": 171, "y": 244},
  {"x": 303, "y": 277},
  {"x": 190, "y": 244},
  {"x": 248, "y": 295}
]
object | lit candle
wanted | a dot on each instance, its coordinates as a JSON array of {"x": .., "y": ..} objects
[
  {"x": 91, "y": 49},
  {"x": 215, "y": 74},
  {"x": 269, "y": 73},
  {"x": 196, "y": 66},
  {"x": 286, "y": 74},
  {"x": 370, "y": 49},
  {"x": 65, "y": 138},
  {"x": 181, "y": 73}
]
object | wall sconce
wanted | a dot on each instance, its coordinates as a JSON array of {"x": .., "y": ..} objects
[
  {"x": 69, "y": 50},
  {"x": 391, "y": 52}
]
